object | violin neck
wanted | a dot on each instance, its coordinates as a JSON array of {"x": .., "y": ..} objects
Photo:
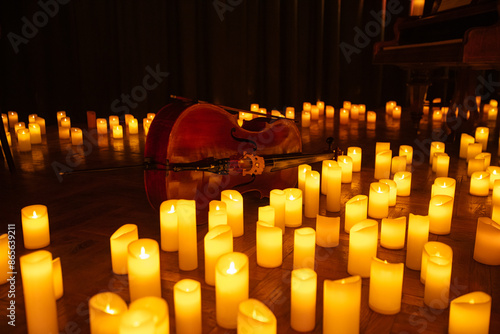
[{"x": 294, "y": 160}]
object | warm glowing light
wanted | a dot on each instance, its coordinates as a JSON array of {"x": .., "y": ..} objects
[
  {"x": 172, "y": 209},
  {"x": 232, "y": 269},
  {"x": 143, "y": 254},
  {"x": 109, "y": 310},
  {"x": 34, "y": 215}
]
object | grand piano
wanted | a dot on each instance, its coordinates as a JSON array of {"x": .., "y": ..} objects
[{"x": 463, "y": 36}]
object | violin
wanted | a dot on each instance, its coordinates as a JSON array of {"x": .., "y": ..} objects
[{"x": 194, "y": 150}]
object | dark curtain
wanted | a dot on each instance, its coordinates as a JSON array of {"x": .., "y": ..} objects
[{"x": 102, "y": 54}]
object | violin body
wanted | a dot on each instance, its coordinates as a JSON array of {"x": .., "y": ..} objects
[{"x": 185, "y": 132}]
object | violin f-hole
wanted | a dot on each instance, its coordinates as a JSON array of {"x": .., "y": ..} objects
[{"x": 243, "y": 140}]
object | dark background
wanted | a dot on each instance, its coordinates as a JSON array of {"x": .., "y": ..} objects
[{"x": 273, "y": 52}]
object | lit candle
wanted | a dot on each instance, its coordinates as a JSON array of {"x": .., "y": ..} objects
[
  {"x": 356, "y": 210},
  {"x": 437, "y": 282},
  {"x": 470, "y": 313},
  {"x": 13, "y": 118},
  {"x": 302, "y": 171},
  {"x": 334, "y": 186},
  {"x": 254, "y": 107},
  {"x": 342, "y": 305},
  {"x": 492, "y": 114},
  {"x": 35, "y": 221},
  {"x": 436, "y": 147},
  {"x": 396, "y": 112},
  {"x": 393, "y": 232},
  {"x": 262, "y": 111},
  {"x": 117, "y": 131},
  {"x": 475, "y": 165},
  {"x": 187, "y": 303},
  {"x": 321, "y": 107},
  {"x": 381, "y": 147},
  {"x": 354, "y": 111},
  {"x": 324, "y": 174},
  {"x": 255, "y": 317},
  {"x": 35, "y": 133},
  {"x": 169, "y": 230},
  {"x": 293, "y": 207},
  {"x": 398, "y": 164},
  {"x": 304, "y": 248},
  {"x": 393, "y": 190},
  {"x": 65, "y": 122},
  {"x": 277, "y": 199},
  {"x": 303, "y": 300},
  {"x": 290, "y": 112},
  {"x": 38, "y": 289},
  {"x": 57, "y": 278},
  {"x": 41, "y": 122},
  {"x": 493, "y": 103},
  {"x": 465, "y": 140},
  {"x": 19, "y": 126},
  {"x": 114, "y": 121},
  {"x": 231, "y": 288},
  {"x": 60, "y": 115},
  {"x": 128, "y": 117},
  {"x": 480, "y": 184},
  {"x": 362, "y": 109},
  {"x": 434, "y": 248},
  {"x": 266, "y": 214},
  {"x": 371, "y": 116},
  {"x": 105, "y": 312},
  {"x": 144, "y": 269},
  {"x": 487, "y": 243},
  {"x": 217, "y": 216},
  {"x": 119, "y": 242},
  {"x": 383, "y": 165},
  {"x": 347, "y": 105},
  {"x": 64, "y": 132},
  {"x": 133, "y": 126},
  {"x": 437, "y": 116},
  {"x": 102, "y": 126},
  {"x": 389, "y": 106},
  {"x": 314, "y": 113},
  {"x": 482, "y": 134},
  {"x": 378, "y": 201},
  {"x": 234, "y": 208},
  {"x": 487, "y": 158},
  {"x": 306, "y": 119},
  {"x": 269, "y": 245},
  {"x": 4, "y": 258},
  {"x": 355, "y": 153},
  {"x": 344, "y": 116},
  {"x": 440, "y": 214},
  {"x": 91, "y": 119},
  {"x": 158, "y": 308},
  {"x": 403, "y": 183},
  {"x": 24, "y": 140},
  {"x": 473, "y": 150},
  {"x": 444, "y": 186},
  {"x": 362, "y": 247},
  {"x": 345, "y": 163},
  {"x": 218, "y": 241},
  {"x": 188, "y": 244},
  {"x": 76, "y": 136},
  {"x": 311, "y": 198},
  {"x": 418, "y": 235},
  {"x": 386, "y": 286},
  {"x": 327, "y": 231},
  {"x": 146, "y": 123},
  {"x": 137, "y": 321},
  {"x": 442, "y": 164},
  {"x": 330, "y": 112},
  {"x": 406, "y": 151}
]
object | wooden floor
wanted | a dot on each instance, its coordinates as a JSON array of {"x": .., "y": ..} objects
[{"x": 86, "y": 209}]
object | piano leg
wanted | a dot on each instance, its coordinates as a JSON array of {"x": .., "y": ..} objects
[{"x": 418, "y": 83}]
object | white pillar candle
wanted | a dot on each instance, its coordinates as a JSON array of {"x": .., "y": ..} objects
[
  {"x": 306, "y": 119},
  {"x": 444, "y": 186},
  {"x": 133, "y": 126},
  {"x": 5, "y": 255},
  {"x": 342, "y": 305},
  {"x": 325, "y": 164},
  {"x": 475, "y": 165},
  {"x": 293, "y": 207},
  {"x": 114, "y": 121},
  {"x": 65, "y": 122},
  {"x": 128, "y": 117},
  {"x": 60, "y": 115},
  {"x": 255, "y": 317},
  {"x": 187, "y": 305},
  {"x": 57, "y": 278},
  {"x": 470, "y": 313},
  {"x": 24, "y": 140},
  {"x": 487, "y": 242},
  {"x": 137, "y": 321},
  {"x": 378, "y": 201},
  {"x": 393, "y": 190},
  {"x": 396, "y": 112},
  {"x": 389, "y": 106},
  {"x": 254, "y": 107},
  {"x": 76, "y": 136},
  {"x": 327, "y": 231},
  {"x": 231, "y": 288},
  {"x": 492, "y": 113},
  {"x": 406, "y": 151},
  {"x": 371, "y": 117},
  {"x": 437, "y": 282},
  {"x": 347, "y": 104},
  {"x": 269, "y": 245},
  {"x": 19, "y": 126},
  {"x": 436, "y": 147},
  {"x": 473, "y": 150},
  {"x": 314, "y": 113},
  {"x": 362, "y": 247},
  {"x": 482, "y": 134},
  {"x": 102, "y": 126},
  {"x": 403, "y": 183},
  {"x": 440, "y": 214},
  {"x": 266, "y": 214},
  {"x": 290, "y": 112},
  {"x": 486, "y": 156},
  {"x": 356, "y": 155},
  {"x": 382, "y": 146},
  {"x": 398, "y": 164},
  {"x": 119, "y": 242},
  {"x": 41, "y": 122},
  {"x": 495, "y": 196},
  {"x": 442, "y": 165},
  {"x": 144, "y": 269},
  {"x": 311, "y": 200},
  {"x": 188, "y": 243},
  {"x": 330, "y": 112},
  {"x": 304, "y": 248},
  {"x": 393, "y": 232},
  {"x": 105, "y": 312},
  {"x": 493, "y": 103},
  {"x": 344, "y": 116},
  {"x": 35, "y": 222},
  {"x": 146, "y": 123},
  {"x": 234, "y": 207},
  {"x": 38, "y": 289},
  {"x": 465, "y": 140},
  {"x": 277, "y": 201},
  {"x": 479, "y": 184},
  {"x": 217, "y": 215},
  {"x": 217, "y": 242},
  {"x": 302, "y": 171},
  {"x": 303, "y": 300},
  {"x": 13, "y": 118},
  {"x": 437, "y": 115},
  {"x": 383, "y": 165},
  {"x": 158, "y": 307},
  {"x": 386, "y": 286},
  {"x": 433, "y": 248},
  {"x": 356, "y": 210},
  {"x": 64, "y": 132},
  {"x": 418, "y": 235},
  {"x": 35, "y": 133},
  {"x": 345, "y": 163},
  {"x": 354, "y": 111},
  {"x": 169, "y": 230},
  {"x": 117, "y": 131},
  {"x": 334, "y": 186}
]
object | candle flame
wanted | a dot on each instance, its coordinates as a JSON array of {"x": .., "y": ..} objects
[
  {"x": 379, "y": 190},
  {"x": 471, "y": 301},
  {"x": 343, "y": 281},
  {"x": 109, "y": 310},
  {"x": 34, "y": 214},
  {"x": 217, "y": 208},
  {"x": 494, "y": 171},
  {"x": 291, "y": 198},
  {"x": 385, "y": 261},
  {"x": 172, "y": 209},
  {"x": 143, "y": 254},
  {"x": 345, "y": 160},
  {"x": 232, "y": 269},
  {"x": 438, "y": 254},
  {"x": 258, "y": 316}
]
